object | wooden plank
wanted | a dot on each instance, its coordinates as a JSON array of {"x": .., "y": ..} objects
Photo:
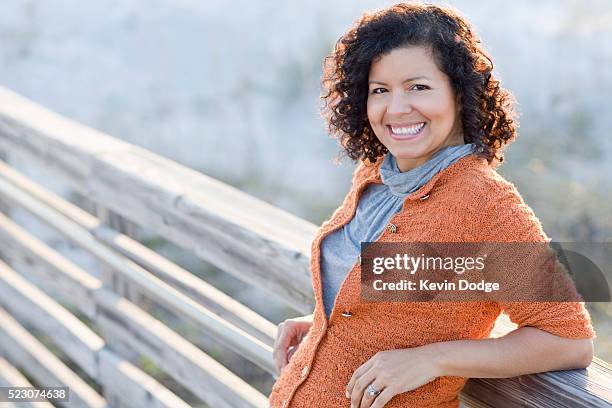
[
  {"x": 25, "y": 301},
  {"x": 4, "y": 206},
  {"x": 233, "y": 337},
  {"x": 572, "y": 388},
  {"x": 122, "y": 321},
  {"x": 11, "y": 377},
  {"x": 110, "y": 278},
  {"x": 134, "y": 387},
  {"x": 207, "y": 295},
  {"x": 80, "y": 344},
  {"x": 117, "y": 283},
  {"x": 25, "y": 351},
  {"x": 468, "y": 401},
  {"x": 184, "y": 363},
  {"x": 58, "y": 276},
  {"x": 203, "y": 293},
  {"x": 240, "y": 234},
  {"x": 20, "y": 119},
  {"x": 224, "y": 226}
]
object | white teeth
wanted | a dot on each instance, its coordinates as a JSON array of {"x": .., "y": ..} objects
[{"x": 410, "y": 130}]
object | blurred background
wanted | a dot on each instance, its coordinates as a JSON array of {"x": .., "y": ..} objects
[{"x": 231, "y": 89}]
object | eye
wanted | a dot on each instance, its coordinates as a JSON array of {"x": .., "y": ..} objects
[
  {"x": 377, "y": 90},
  {"x": 420, "y": 87}
]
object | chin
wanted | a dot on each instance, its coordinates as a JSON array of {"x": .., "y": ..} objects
[
  {"x": 403, "y": 154},
  {"x": 406, "y": 152}
]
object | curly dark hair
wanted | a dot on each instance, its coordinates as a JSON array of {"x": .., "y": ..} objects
[{"x": 486, "y": 109}]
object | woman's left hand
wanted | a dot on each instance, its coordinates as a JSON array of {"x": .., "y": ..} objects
[{"x": 392, "y": 372}]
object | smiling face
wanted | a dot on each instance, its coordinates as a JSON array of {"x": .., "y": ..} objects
[{"x": 411, "y": 106}]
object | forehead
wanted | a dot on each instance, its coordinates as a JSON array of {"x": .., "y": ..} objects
[{"x": 405, "y": 62}]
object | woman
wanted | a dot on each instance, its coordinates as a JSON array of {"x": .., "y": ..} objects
[{"x": 411, "y": 94}]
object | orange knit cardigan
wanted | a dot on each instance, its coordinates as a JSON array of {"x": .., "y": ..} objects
[{"x": 466, "y": 202}]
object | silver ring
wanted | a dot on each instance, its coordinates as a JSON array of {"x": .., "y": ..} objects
[{"x": 372, "y": 391}]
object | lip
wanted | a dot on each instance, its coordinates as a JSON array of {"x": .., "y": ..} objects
[{"x": 405, "y": 137}]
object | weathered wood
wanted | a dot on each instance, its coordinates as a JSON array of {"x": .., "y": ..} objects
[
  {"x": 203, "y": 293},
  {"x": 11, "y": 377},
  {"x": 56, "y": 275},
  {"x": 240, "y": 234},
  {"x": 235, "y": 338},
  {"x": 206, "y": 378},
  {"x": 125, "y": 327},
  {"x": 79, "y": 343},
  {"x": 467, "y": 401},
  {"x": 571, "y": 388},
  {"x": 25, "y": 301},
  {"x": 133, "y": 387},
  {"x": 4, "y": 206},
  {"x": 24, "y": 351},
  {"x": 207, "y": 295},
  {"x": 110, "y": 277}
]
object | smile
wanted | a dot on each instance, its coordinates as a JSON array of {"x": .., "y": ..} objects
[{"x": 406, "y": 132}]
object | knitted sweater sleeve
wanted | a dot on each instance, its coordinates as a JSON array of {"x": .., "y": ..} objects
[{"x": 511, "y": 220}]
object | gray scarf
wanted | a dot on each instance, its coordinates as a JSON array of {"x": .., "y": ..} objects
[{"x": 401, "y": 184}]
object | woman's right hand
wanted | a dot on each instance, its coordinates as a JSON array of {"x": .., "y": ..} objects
[{"x": 290, "y": 334}]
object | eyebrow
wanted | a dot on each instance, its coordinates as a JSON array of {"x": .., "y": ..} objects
[{"x": 405, "y": 80}]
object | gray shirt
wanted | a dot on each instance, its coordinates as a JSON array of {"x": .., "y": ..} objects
[{"x": 377, "y": 204}]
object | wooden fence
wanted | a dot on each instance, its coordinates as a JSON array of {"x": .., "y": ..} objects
[{"x": 102, "y": 323}]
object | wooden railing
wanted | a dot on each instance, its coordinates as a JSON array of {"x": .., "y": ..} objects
[{"x": 102, "y": 323}]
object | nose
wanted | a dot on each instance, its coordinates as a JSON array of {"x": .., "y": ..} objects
[{"x": 399, "y": 104}]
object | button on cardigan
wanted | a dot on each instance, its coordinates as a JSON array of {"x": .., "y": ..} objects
[{"x": 468, "y": 202}]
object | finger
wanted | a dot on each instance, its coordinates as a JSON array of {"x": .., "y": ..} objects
[
  {"x": 360, "y": 385},
  {"x": 277, "y": 355},
  {"x": 280, "y": 348},
  {"x": 288, "y": 343},
  {"x": 367, "y": 400},
  {"x": 301, "y": 336},
  {"x": 278, "y": 360},
  {"x": 382, "y": 398},
  {"x": 358, "y": 372},
  {"x": 289, "y": 347},
  {"x": 290, "y": 353}
]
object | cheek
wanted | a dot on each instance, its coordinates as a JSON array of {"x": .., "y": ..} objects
[
  {"x": 376, "y": 110},
  {"x": 439, "y": 111}
]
